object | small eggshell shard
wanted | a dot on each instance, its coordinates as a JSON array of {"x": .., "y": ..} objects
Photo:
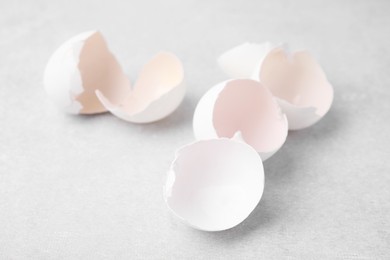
[
  {"x": 300, "y": 85},
  {"x": 245, "y": 110},
  {"x": 214, "y": 185},
  {"x": 78, "y": 68},
  {"x": 295, "y": 79},
  {"x": 157, "y": 93}
]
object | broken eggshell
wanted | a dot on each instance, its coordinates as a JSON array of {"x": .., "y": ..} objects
[
  {"x": 214, "y": 185},
  {"x": 157, "y": 93},
  {"x": 80, "y": 66},
  {"x": 295, "y": 79},
  {"x": 244, "y": 110}
]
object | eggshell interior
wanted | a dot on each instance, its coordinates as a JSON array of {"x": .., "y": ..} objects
[
  {"x": 214, "y": 184},
  {"x": 297, "y": 79},
  {"x": 99, "y": 71},
  {"x": 160, "y": 77},
  {"x": 163, "y": 73},
  {"x": 247, "y": 107}
]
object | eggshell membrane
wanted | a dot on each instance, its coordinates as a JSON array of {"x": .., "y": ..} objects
[
  {"x": 242, "y": 60},
  {"x": 214, "y": 185},
  {"x": 157, "y": 93},
  {"x": 300, "y": 85},
  {"x": 79, "y": 67},
  {"x": 244, "y": 110}
]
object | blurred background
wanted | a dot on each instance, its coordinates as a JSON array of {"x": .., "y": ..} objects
[{"x": 91, "y": 187}]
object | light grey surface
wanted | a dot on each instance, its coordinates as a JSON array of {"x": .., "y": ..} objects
[{"x": 91, "y": 187}]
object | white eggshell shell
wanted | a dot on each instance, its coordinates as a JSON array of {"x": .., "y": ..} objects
[
  {"x": 244, "y": 110},
  {"x": 78, "y": 68},
  {"x": 158, "y": 92},
  {"x": 214, "y": 185}
]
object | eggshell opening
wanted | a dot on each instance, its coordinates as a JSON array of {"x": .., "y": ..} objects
[
  {"x": 300, "y": 82},
  {"x": 78, "y": 68},
  {"x": 157, "y": 93},
  {"x": 245, "y": 109},
  {"x": 214, "y": 184}
]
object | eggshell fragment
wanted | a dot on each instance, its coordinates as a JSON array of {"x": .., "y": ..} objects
[
  {"x": 79, "y": 67},
  {"x": 157, "y": 93},
  {"x": 296, "y": 79},
  {"x": 214, "y": 185},
  {"x": 244, "y": 110}
]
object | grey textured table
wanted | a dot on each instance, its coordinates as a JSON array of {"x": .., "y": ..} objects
[{"x": 91, "y": 187}]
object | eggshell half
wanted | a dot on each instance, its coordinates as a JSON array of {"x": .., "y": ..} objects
[
  {"x": 214, "y": 185},
  {"x": 300, "y": 85},
  {"x": 80, "y": 66},
  {"x": 157, "y": 93},
  {"x": 244, "y": 110},
  {"x": 296, "y": 80}
]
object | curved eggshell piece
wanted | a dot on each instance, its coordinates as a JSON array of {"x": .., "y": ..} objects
[
  {"x": 214, "y": 185},
  {"x": 78, "y": 68},
  {"x": 157, "y": 93}
]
